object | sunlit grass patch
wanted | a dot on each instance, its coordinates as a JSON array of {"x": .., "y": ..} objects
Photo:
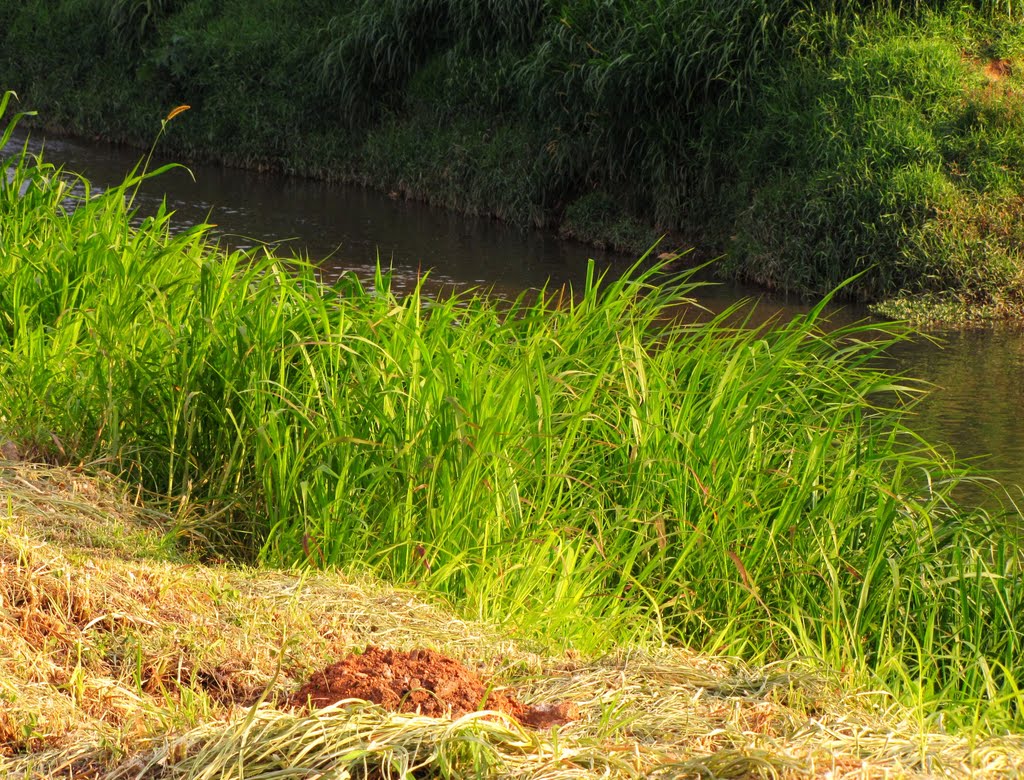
[{"x": 901, "y": 143}]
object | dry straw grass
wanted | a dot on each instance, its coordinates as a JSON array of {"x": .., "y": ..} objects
[{"x": 121, "y": 659}]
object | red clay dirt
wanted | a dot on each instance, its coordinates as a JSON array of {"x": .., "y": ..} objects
[
  {"x": 420, "y": 681},
  {"x": 998, "y": 69}
]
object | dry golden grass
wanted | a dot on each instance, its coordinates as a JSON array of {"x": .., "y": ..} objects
[{"x": 119, "y": 658}]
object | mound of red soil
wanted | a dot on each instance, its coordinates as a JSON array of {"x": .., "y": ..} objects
[
  {"x": 998, "y": 69},
  {"x": 421, "y": 681}
]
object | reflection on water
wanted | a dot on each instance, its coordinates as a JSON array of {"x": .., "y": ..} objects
[
  {"x": 978, "y": 401},
  {"x": 344, "y": 228},
  {"x": 979, "y": 376}
]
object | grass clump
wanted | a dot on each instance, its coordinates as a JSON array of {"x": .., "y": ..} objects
[{"x": 573, "y": 465}]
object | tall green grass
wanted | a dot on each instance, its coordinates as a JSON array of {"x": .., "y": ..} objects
[
  {"x": 581, "y": 466},
  {"x": 630, "y": 97}
]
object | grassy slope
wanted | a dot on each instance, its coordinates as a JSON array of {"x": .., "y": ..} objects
[
  {"x": 812, "y": 144},
  {"x": 122, "y": 655},
  {"x": 908, "y": 167}
]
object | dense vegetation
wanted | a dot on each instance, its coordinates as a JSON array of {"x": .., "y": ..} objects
[
  {"x": 574, "y": 465},
  {"x": 813, "y": 140}
]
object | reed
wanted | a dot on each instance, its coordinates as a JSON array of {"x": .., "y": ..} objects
[{"x": 573, "y": 464}]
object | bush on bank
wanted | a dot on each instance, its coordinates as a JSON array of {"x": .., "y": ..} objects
[
  {"x": 811, "y": 140},
  {"x": 574, "y": 466},
  {"x": 909, "y": 165}
]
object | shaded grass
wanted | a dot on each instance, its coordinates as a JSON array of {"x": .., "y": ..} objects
[{"x": 574, "y": 465}]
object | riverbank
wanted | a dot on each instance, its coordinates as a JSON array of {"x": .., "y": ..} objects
[
  {"x": 125, "y": 655},
  {"x": 809, "y": 146},
  {"x": 580, "y": 468}
]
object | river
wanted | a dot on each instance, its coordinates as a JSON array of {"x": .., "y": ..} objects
[{"x": 976, "y": 407}]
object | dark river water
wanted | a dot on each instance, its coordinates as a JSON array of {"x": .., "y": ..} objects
[{"x": 976, "y": 407}]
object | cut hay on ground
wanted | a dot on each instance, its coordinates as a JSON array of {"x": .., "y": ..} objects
[{"x": 121, "y": 659}]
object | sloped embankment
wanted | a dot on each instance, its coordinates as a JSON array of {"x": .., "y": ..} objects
[{"x": 123, "y": 658}]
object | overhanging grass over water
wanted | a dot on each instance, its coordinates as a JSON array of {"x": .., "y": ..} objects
[{"x": 572, "y": 466}]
